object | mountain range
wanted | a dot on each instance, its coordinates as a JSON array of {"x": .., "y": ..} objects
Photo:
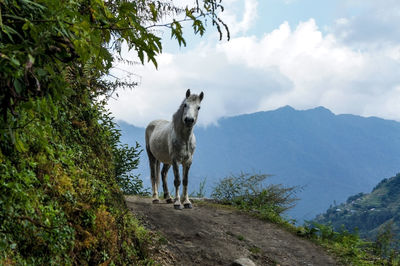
[{"x": 330, "y": 157}]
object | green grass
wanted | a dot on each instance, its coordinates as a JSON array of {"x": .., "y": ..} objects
[{"x": 255, "y": 250}]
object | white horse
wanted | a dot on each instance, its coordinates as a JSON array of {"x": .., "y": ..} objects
[{"x": 173, "y": 143}]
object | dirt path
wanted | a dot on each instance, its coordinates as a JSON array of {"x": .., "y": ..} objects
[{"x": 206, "y": 235}]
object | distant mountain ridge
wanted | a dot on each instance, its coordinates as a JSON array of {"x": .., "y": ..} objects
[
  {"x": 331, "y": 156},
  {"x": 369, "y": 213}
]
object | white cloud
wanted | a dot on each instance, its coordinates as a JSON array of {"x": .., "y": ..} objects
[
  {"x": 301, "y": 67},
  {"x": 374, "y": 24},
  {"x": 314, "y": 63},
  {"x": 229, "y": 89},
  {"x": 288, "y": 2},
  {"x": 248, "y": 11}
]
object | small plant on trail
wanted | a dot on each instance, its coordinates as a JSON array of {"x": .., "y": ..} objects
[
  {"x": 248, "y": 192},
  {"x": 201, "y": 192}
]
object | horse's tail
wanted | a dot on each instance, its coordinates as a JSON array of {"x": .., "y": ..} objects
[
  {"x": 153, "y": 163},
  {"x": 149, "y": 131}
]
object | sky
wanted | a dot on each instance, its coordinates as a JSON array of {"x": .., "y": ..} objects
[{"x": 340, "y": 54}]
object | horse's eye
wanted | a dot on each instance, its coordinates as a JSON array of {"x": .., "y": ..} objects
[
  {"x": 198, "y": 108},
  {"x": 184, "y": 106}
]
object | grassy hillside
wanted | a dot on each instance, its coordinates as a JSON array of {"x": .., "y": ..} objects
[{"x": 371, "y": 213}]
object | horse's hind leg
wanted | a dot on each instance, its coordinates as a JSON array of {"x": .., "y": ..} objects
[
  {"x": 164, "y": 173},
  {"x": 186, "y": 202},
  {"x": 154, "y": 175}
]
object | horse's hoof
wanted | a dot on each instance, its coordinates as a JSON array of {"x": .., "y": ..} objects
[
  {"x": 156, "y": 201},
  {"x": 188, "y": 205},
  {"x": 169, "y": 201},
  {"x": 178, "y": 207}
]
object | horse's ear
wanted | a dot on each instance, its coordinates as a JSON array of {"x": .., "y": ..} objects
[
  {"x": 201, "y": 96},
  {"x": 188, "y": 93}
]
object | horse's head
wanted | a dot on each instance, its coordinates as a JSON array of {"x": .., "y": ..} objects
[{"x": 191, "y": 107}]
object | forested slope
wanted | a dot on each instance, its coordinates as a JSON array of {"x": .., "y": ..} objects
[{"x": 371, "y": 213}]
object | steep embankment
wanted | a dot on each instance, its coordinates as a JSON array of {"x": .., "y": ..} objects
[{"x": 207, "y": 235}]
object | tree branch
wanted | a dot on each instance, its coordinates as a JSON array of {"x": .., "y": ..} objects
[
  {"x": 38, "y": 224},
  {"x": 23, "y": 126}
]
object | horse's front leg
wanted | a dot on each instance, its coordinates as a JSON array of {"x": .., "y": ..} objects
[
  {"x": 186, "y": 201},
  {"x": 177, "y": 183}
]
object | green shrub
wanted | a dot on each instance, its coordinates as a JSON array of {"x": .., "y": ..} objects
[
  {"x": 126, "y": 159},
  {"x": 248, "y": 192}
]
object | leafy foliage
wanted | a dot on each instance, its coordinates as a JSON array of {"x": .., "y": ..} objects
[
  {"x": 41, "y": 41},
  {"x": 248, "y": 192},
  {"x": 125, "y": 159},
  {"x": 58, "y": 194},
  {"x": 60, "y": 156}
]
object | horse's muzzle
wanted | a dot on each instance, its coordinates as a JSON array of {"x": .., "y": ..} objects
[{"x": 189, "y": 121}]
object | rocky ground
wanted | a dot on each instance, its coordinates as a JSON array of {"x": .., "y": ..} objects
[{"x": 206, "y": 235}]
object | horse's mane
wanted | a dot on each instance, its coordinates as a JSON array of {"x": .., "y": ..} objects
[{"x": 176, "y": 118}]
